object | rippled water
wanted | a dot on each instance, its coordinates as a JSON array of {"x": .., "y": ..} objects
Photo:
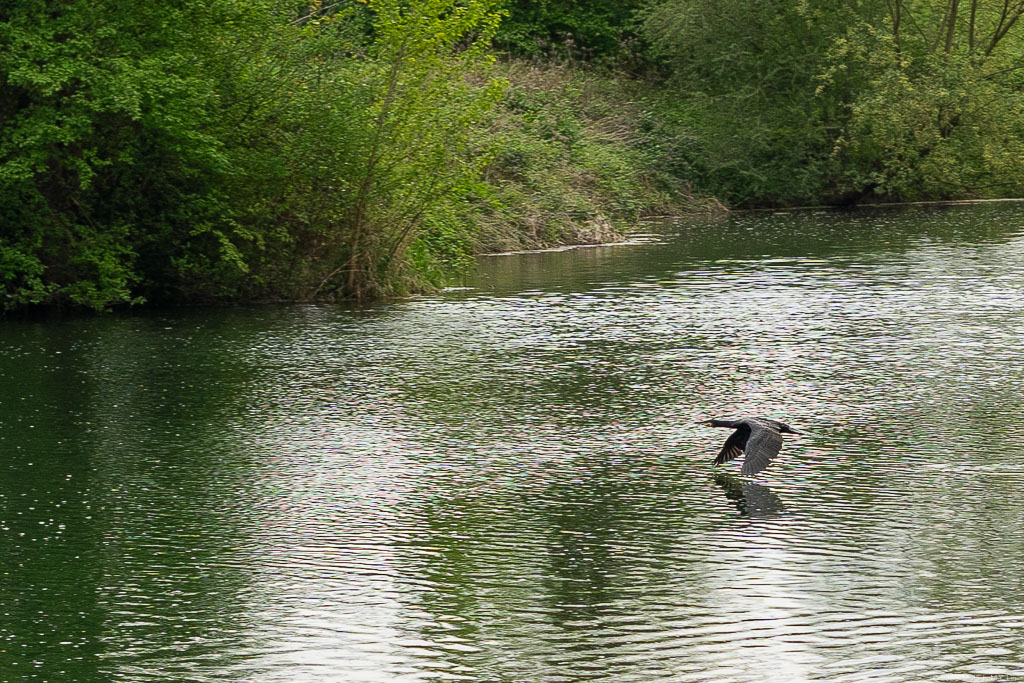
[{"x": 506, "y": 482}]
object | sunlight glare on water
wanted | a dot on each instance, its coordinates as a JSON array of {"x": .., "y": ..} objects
[{"x": 506, "y": 481}]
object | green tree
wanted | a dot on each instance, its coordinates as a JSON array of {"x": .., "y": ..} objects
[
  {"x": 414, "y": 152},
  {"x": 111, "y": 162},
  {"x": 742, "y": 75},
  {"x": 378, "y": 145},
  {"x": 940, "y": 110},
  {"x": 811, "y": 100},
  {"x": 597, "y": 31},
  {"x": 224, "y": 149}
]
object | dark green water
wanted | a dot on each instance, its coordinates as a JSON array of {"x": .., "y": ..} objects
[{"x": 506, "y": 482}]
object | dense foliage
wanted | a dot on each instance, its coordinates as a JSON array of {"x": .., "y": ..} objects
[
  {"x": 817, "y": 100},
  {"x": 221, "y": 149},
  {"x": 217, "y": 149},
  {"x": 601, "y": 31}
]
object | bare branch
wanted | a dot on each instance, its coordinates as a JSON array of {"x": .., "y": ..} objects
[
  {"x": 895, "y": 8},
  {"x": 319, "y": 10},
  {"x": 1007, "y": 18},
  {"x": 970, "y": 26},
  {"x": 954, "y": 5}
]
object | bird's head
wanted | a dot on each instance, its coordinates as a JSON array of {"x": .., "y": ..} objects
[{"x": 786, "y": 429}]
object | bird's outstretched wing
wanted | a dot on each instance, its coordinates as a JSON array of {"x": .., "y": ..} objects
[
  {"x": 764, "y": 443},
  {"x": 733, "y": 447}
]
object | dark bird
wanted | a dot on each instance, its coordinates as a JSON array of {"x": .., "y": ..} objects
[{"x": 760, "y": 437}]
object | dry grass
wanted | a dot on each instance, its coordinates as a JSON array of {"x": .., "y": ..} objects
[{"x": 572, "y": 163}]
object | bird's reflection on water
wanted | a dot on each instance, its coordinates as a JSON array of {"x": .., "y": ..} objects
[{"x": 750, "y": 498}]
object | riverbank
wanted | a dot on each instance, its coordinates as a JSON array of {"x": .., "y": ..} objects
[
  {"x": 364, "y": 151},
  {"x": 576, "y": 161}
]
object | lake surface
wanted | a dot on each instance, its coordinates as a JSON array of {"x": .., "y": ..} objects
[{"x": 506, "y": 482}]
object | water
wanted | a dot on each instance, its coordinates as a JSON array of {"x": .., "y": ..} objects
[{"x": 506, "y": 482}]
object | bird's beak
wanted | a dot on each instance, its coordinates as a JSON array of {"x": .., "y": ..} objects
[
  {"x": 793, "y": 431},
  {"x": 706, "y": 423}
]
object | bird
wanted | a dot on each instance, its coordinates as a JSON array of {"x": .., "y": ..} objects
[{"x": 760, "y": 437}]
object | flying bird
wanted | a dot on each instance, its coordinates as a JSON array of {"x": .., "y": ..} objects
[{"x": 760, "y": 437}]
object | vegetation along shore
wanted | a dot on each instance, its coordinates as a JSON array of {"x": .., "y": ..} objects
[{"x": 218, "y": 150}]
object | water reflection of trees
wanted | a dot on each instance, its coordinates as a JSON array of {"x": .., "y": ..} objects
[
  {"x": 552, "y": 565},
  {"x": 495, "y": 487},
  {"x": 695, "y": 242},
  {"x": 123, "y": 463}
]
